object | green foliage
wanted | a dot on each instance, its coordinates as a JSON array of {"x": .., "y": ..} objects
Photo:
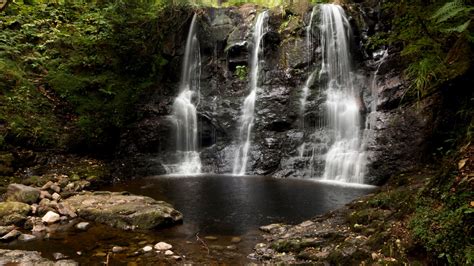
[
  {"x": 95, "y": 57},
  {"x": 433, "y": 39},
  {"x": 241, "y": 72}
]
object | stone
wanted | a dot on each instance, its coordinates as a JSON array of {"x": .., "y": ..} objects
[
  {"x": 50, "y": 217},
  {"x": 124, "y": 211},
  {"x": 82, "y": 225},
  {"x": 13, "y": 213},
  {"x": 56, "y": 196},
  {"x": 148, "y": 248},
  {"x": 212, "y": 238},
  {"x": 11, "y": 235},
  {"x": 235, "y": 239},
  {"x": 169, "y": 253},
  {"x": 5, "y": 229},
  {"x": 47, "y": 185},
  {"x": 272, "y": 228},
  {"x": 45, "y": 194},
  {"x": 117, "y": 249},
  {"x": 59, "y": 256},
  {"x": 22, "y": 193},
  {"x": 65, "y": 209},
  {"x": 231, "y": 247},
  {"x": 55, "y": 187},
  {"x": 23, "y": 257},
  {"x": 161, "y": 246},
  {"x": 176, "y": 257},
  {"x": 26, "y": 237}
]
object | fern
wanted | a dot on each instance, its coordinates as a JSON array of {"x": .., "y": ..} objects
[
  {"x": 458, "y": 28},
  {"x": 449, "y": 10}
]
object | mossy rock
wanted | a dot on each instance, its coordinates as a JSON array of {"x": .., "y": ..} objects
[
  {"x": 124, "y": 211},
  {"x": 13, "y": 213},
  {"x": 22, "y": 193}
]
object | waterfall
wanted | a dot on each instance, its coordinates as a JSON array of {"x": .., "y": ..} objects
[
  {"x": 184, "y": 109},
  {"x": 345, "y": 160},
  {"x": 248, "y": 109},
  {"x": 305, "y": 92},
  {"x": 309, "y": 46}
]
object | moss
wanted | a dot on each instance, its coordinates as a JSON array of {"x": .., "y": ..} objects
[{"x": 13, "y": 212}]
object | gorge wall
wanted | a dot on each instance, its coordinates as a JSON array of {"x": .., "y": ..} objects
[{"x": 397, "y": 138}]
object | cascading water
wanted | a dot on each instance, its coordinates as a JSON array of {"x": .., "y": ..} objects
[
  {"x": 345, "y": 160},
  {"x": 305, "y": 92},
  {"x": 248, "y": 109},
  {"x": 184, "y": 109}
]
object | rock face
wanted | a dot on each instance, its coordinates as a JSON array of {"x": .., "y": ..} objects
[
  {"x": 397, "y": 136},
  {"x": 22, "y": 193},
  {"x": 124, "y": 211},
  {"x": 22, "y": 257},
  {"x": 13, "y": 212}
]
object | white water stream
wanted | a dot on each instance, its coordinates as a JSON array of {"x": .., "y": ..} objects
[{"x": 248, "y": 109}]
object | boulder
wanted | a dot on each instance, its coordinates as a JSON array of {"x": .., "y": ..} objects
[
  {"x": 13, "y": 212},
  {"x": 124, "y": 211},
  {"x": 22, "y": 193}
]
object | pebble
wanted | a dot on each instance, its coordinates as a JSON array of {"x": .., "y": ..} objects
[
  {"x": 82, "y": 225},
  {"x": 50, "y": 217},
  {"x": 118, "y": 249},
  {"x": 169, "y": 253},
  {"x": 163, "y": 246},
  {"x": 59, "y": 256},
  {"x": 176, "y": 257},
  {"x": 26, "y": 237},
  {"x": 56, "y": 196},
  {"x": 148, "y": 248},
  {"x": 236, "y": 239},
  {"x": 231, "y": 247}
]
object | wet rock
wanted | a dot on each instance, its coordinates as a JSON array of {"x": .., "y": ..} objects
[
  {"x": 13, "y": 212},
  {"x": 51, "y": 217},
  {"x": 176, "y": 257},
  {"x": 26, "y": 237},
  {"x": 22, "y": 257},
  {"x": 12, "y": 235},
  {"x": 82, "y": 225},
  {"x": 169, "y": 253},
  {"x": 22, "y": 193},
  {"x": 161, "y": 246},
  {"x": 124, "y": 211}
]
